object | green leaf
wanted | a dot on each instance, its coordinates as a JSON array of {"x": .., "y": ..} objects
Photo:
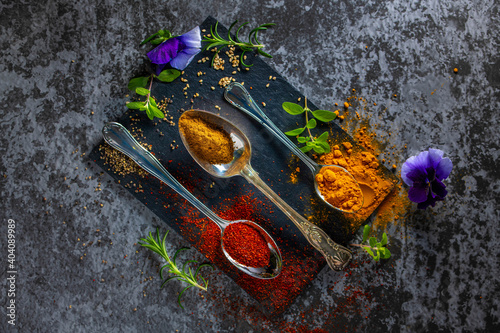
[
  {"x": 229, "y": 31},
  {"x": 152, "y": 101},
  {"x": 142, "y": 91},
  {"x": 295, "y": 132},
  {"x": 149, "y": 38},
  {"x": 386, "y": 254},
  {"x": 369, "y": 250},
  {"x": 155, "y": 112},
  {"x": 135, "y": 105},
  {"x": 323, "y": 137},
  {"x": 158, "y": 41},
  {"x": 180, "y": 295},
  {"x": 169, "y": 279},
  {"x": 384, "y": 239},
  {"x": 168, "y": 75},
  {"x": 305, "y": 149},
  {"x": 200, "y": 267},
  {"x": 377, "y": 256},
  {"x": 138, "y": 82},
  {"x": 238, "y": 31},
  {"x": 292, "y": 108},
  {"x": 215, "y": 32},
  {"x": 177, "y": 253},
  {"x": 302, "y": 139},
  {"x": 267, "y": 55},
  {"x": 186, "y": 265},
  {"x": 311, "y": 123},
  {"x": 165, "y": 33},
  {"x": 323, "y": 115},
  {"x": 366, "y": 233},
  {"x": 149, "y": 113},
  {"x": 214, "y": 44},
  {"x": 318, "y": 149},
  {"x": 324, "y": 145},
  {"x": 373, "y": 242}
]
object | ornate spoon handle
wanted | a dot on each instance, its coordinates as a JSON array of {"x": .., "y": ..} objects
[
  {"x": 336, "y": 255},
  {"x": 239, "y": 97}
]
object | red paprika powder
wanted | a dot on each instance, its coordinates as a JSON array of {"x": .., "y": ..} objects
[
  {"x": 246, "y": 245},
  {"x": 274, "y": 295}
]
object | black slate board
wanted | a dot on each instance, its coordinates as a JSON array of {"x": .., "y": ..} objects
[{"x": 270, "y": 159}]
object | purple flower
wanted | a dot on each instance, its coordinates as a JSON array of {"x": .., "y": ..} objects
[
  {"x": 424, "y": 174},
  {"x": 178, "y": 51}
]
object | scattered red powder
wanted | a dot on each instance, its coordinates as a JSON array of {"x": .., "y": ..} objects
[{"x": 274, "y": 295}]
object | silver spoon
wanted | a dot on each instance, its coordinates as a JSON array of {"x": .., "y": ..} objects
[
  {"x": 239, "y": 97},
  {"x": 119, "y": 138},
  {"x": 336, "y": 255}
]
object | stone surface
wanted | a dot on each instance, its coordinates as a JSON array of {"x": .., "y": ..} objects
[{"x": 64, "y": 70}]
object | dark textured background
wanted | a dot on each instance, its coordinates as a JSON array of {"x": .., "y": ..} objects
[{"x": 61, "y": 61}]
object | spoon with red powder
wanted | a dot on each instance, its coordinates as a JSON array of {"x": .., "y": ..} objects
[{"x": 245, "y": 244}]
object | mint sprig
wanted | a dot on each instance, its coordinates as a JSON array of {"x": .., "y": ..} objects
[
  {"x": 374, "y": 248},
  {"x": 319, "y": 144},
  {"x": 158, "y": 246},
  {"x": 139, "y": 85}
]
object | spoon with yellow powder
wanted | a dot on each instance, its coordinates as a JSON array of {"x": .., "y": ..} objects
[
  {"x": 210, "y": 139},
  {"x": 120, "y": 138},
  {"x": 334, "y": 184}
]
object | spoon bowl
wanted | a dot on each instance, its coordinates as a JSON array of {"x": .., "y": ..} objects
[
  {"x": 368, "y": 194},
  {"x": 336, "y": 255},
  {"x": 242, "y": 148},
  {"x": 120, "y": 138},
  {"x": 239, "y": 97},
  {"x": 275, "y": 260}
]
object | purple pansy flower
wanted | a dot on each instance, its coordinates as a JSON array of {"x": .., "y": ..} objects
[
  {"x": 178, "y": 51},
  {"x": 424, "y": 174}
]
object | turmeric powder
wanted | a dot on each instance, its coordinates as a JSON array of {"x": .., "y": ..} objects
[
  {"x": 364, "y": 167},
  {"x": 339, "y": 189},
  {"x": 207, "y": 141}
]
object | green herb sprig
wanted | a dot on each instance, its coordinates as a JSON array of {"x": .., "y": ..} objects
[
  {"x": 158, "y": 245},
  {"x": 319, "y": 144},
  {"x": 139, "y": 85},
  {"x": 375, "y": 248},
  {"x": 215, "y": 40}
]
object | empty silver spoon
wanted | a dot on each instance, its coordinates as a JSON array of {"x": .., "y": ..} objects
[
  {"x": 239, "y": 97},
  {"x": 119, "y": 138},
  {"x": 336, "y": 255}
]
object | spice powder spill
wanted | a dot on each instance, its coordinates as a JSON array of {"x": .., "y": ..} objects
[
  {"x": 365, "y": 168},
  {"x": 274, "y": 295},
  {"x": 207, "y": 141}
]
